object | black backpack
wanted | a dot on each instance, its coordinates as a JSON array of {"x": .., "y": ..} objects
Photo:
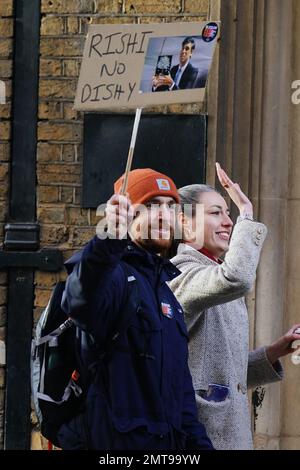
[{"x": 59, "y": 379}]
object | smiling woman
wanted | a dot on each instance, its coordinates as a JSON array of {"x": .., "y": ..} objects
[
  {"x": 211, "y": 293},
  {"x": 217, "y": 223}
]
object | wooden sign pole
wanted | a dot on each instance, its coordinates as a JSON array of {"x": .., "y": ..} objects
[{"x": 131, "y": 149}]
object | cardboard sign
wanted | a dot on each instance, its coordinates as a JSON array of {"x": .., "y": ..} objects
[{"x": 135, "y": 66}]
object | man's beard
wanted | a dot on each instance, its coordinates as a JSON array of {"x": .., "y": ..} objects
[
  {"x": 159, "y": 246},
  {"x": 156, "y": 244}
]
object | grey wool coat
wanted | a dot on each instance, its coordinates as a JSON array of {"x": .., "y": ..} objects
[{"x": 212, "y": 296}]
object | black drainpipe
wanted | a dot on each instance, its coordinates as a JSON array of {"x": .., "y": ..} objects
[{"x": 21, "y": 256}]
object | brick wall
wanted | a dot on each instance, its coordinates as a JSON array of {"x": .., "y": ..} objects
[
  {"x": 6, "y": 46},
  {"x": 59, "y": 151}
]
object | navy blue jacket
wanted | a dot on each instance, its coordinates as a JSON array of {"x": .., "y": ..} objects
[{"x": 148, "y": 382}]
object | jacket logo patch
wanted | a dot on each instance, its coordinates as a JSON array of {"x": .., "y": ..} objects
[
  {"x": 163, "y": 184},
  {"x": 166, "y": 310}
]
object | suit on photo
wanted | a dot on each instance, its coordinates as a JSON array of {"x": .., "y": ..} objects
[
  {"x": 187, "y": 78},
  {"x": 200, "y": 81}
]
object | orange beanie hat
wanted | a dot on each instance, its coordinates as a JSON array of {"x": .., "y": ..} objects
[{"x": 144, "y": 184}]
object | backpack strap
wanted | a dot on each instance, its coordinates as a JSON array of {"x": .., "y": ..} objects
[
  {"x": 72, "y": 386},
  {"x": 55, "y": 333}
]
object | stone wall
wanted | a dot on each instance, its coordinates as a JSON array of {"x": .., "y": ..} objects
[
  {"x": 254, "y": 132},
  {"x": 290, "y": 412}
]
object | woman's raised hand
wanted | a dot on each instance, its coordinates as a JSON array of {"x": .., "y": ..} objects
[{"x": 236, "y": 194}]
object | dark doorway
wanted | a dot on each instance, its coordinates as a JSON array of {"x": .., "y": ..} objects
[{"x": 172, "y": 144}]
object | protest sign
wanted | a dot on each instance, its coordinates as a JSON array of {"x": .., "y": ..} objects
[
  {"x": 2, "y": 92},
  {"x": 134, "y": 66}
]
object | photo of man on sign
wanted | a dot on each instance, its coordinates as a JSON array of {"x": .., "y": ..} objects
[
  {"x": 176, "y": 63},
  {"x": 181, "y": 76}
]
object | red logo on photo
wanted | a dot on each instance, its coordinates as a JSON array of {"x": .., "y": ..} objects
[{"x": 209, "y": 32}]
